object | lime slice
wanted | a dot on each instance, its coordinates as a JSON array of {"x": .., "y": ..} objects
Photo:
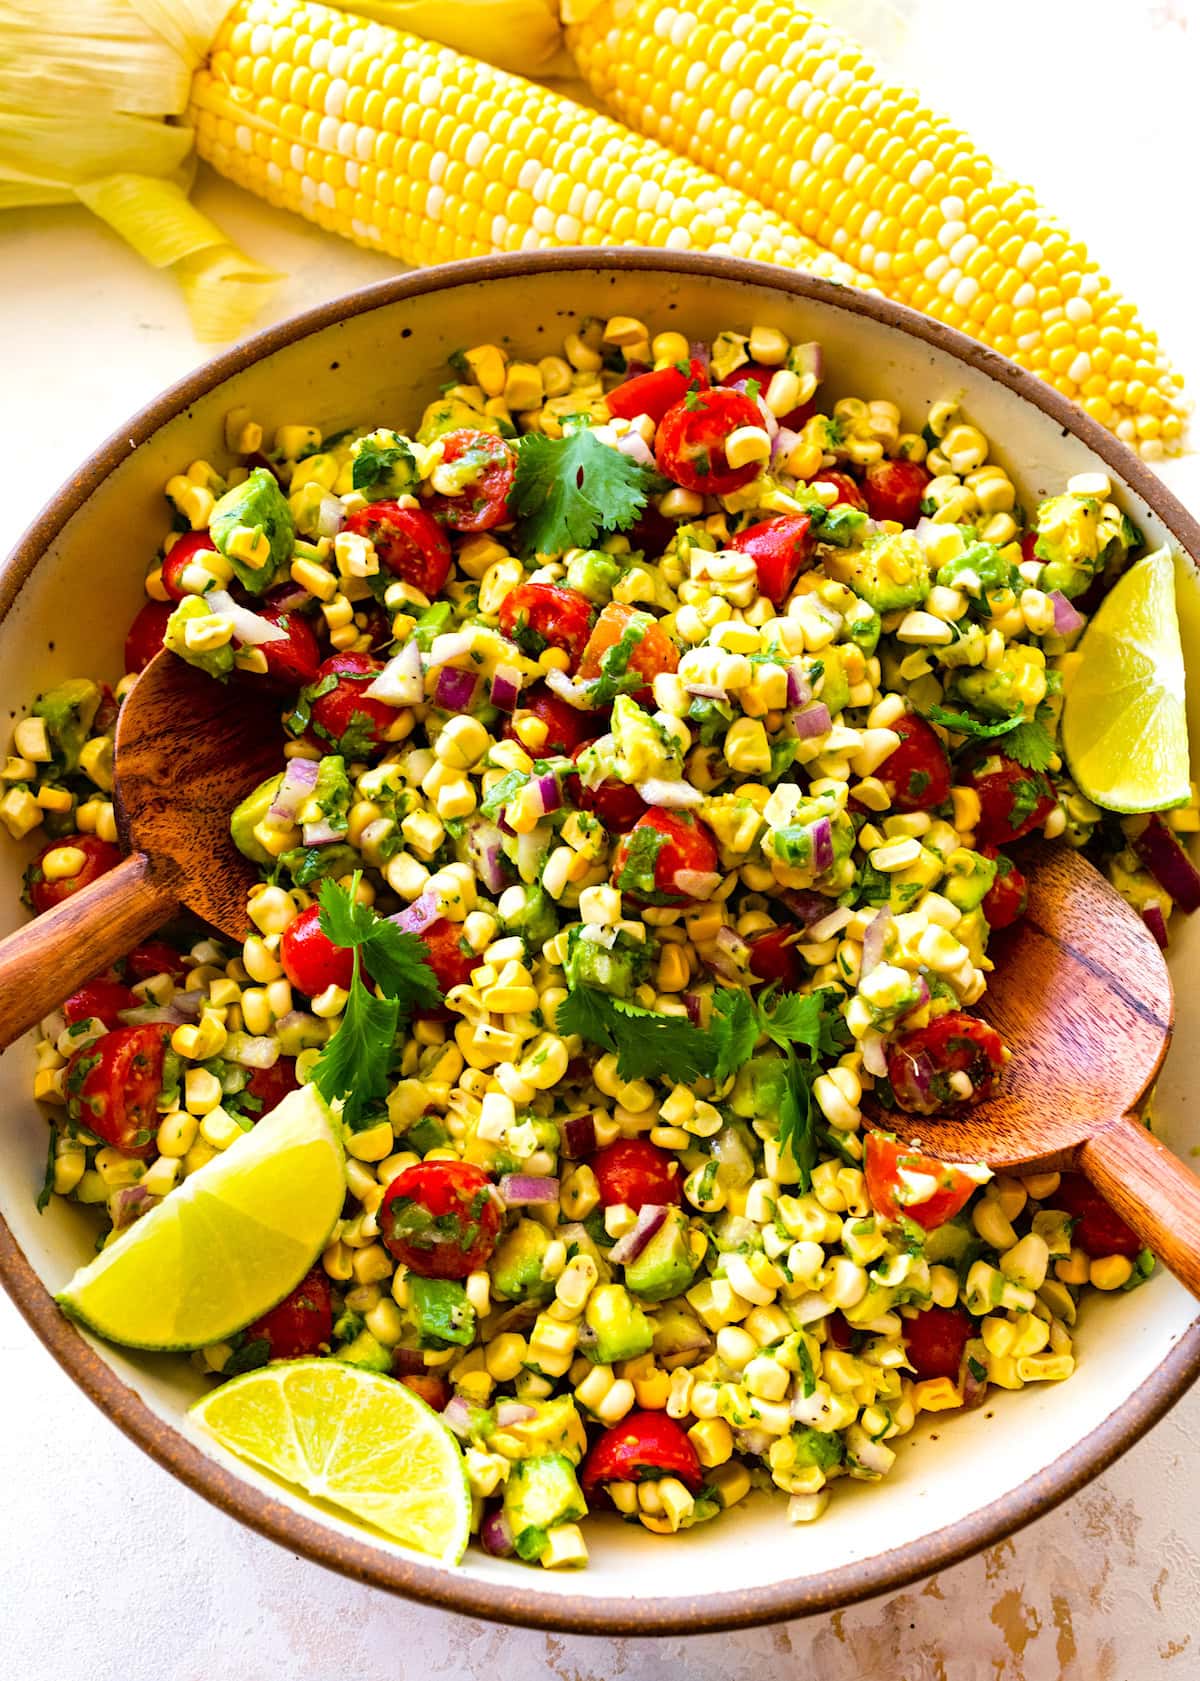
[
  {"x": 228, "y": 1244},
  {"x": 1124, "y": 730},
  {"x": 355, "y": 1438}
]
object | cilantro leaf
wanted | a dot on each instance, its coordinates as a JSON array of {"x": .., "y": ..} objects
[
  {"x": 394, "y": 958},
  {"x": 734, "y": 1031},
  {"x": 645, "y": 1043},
  {"x": 355, "y": 1064},
  {"x": 962, "y": 723},
  {"x": 796, "y": 1130},
  {"x": 1031, "y": 745},
  {"x": 569, "y": 489},
  {"x": 374, "y": 461}
]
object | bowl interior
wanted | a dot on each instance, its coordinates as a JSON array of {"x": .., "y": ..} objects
[{"x": 383, "y": 362}]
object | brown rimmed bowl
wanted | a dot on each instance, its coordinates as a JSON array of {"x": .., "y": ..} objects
[{"x": 67, "y": 593}]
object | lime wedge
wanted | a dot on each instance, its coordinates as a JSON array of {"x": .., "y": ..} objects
[
  {"x": 228, "y": 1244},
  {"x": 355, "y": 1438},
  {"x": 1124, "y": 730}
]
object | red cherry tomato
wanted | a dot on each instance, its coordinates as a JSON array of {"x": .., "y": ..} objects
[
  {"x": 616, "y": 804},
  {"x": 1099, "y": 1230},
  {"x": 484, "y": 502},
  {"x": 781, "y": 549},
  {"x": 649, "y": 858},
  {"x": 310, "y": 959},
  {"x": 840, "y": 1332},
  {"x": 183, "y": 551},
  {"x": 155, "y": 957},
  {"x": 849, "y": 491},
  {"x": 113, "y": 1087},
  {"x": 656, "y": 392},
  {"x": 295, "y": 662},
  {"x": 1028, "y": 543},
  {"x": 690, "y": 446},
  {"x": 98, "y": 858},
  {"x": 1005, "y": 900},
  {"x": 301, "y": 1325},
  {"x": 644, "y": 1446},
  {"x": 538, "y": 616},
  {"x": 774, "y": 958},
  {"x": 446, "y": 953},
  {"x": 936, "y": 1338},
  {"x": 433, "y": 1390},
  {"x": 145, "y": 635},
  {"x": 641, "y": 643},
  {"x": 567, "y": 728},
  {"x": 635, "y": 1172},
  {"x": 652, "y": 533},
  {"x": 441, "y": 1218},
  {"x": 347, "y": 708},
  {"x": 917, "y": 772},
  {"x": 409, "y": 542},
  {"x": 895, "y": 490},
  {"x": 890, "y": 1195},
  {"x": 102, "y": 999},
  {"x": 921, "y": 1062},
  {"x": 740, "y": 378},
  {"x": 271, "y": 1085},
  {"x": 1013, "y": 801}
]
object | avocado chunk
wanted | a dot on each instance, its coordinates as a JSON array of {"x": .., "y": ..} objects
[
  {"x": 306, "y": 864},
  {"x": 218, "y": 661},
  {"x": 1068, "y": 541},
  {"x": 536, "y": 921},
  {"x": 889, "y": 571},
  {"x": 835, "y": 690},
  {"x": 969, "y": 878},
  {"x": 1017, "y": 682},
  {"x": 441, "y": 1312},
  {"x": 621, "y": 1329},
  {"x": 679, "y": 1337},
  {"x": 665, "y": 1266},
  {"x": 366, "y": 1351},
  {"x": 979, "y": 569},
  {"x": 822, "y": 1448},
  {"x": 539, "y": 1494},
  {"x": 258, "y": 508},
  {"x": 330, "y": 798},
  {"x": 68, "y": 711},
  {"x": 246, "y": 817},
  {"x": 593, "y": 574},
  {"x": 434, "y": 622},
  {"x": 612, "y": 970},
  {"x": 516, "y": 1264},
  {"x": 453, "y": 414},
  {"x": 556, "y": 1427}
]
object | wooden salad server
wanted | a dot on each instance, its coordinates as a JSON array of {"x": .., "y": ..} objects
[
  {"x": 187, "y": 750},
  {"x": 1082, "y": 997}
]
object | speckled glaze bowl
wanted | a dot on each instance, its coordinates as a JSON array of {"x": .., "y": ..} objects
[{"x": 960, "y": 1482}]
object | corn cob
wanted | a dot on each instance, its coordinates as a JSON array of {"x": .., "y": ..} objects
[
  {"x": 410, "y": 148},
  {"x": 790, "y": 111}
]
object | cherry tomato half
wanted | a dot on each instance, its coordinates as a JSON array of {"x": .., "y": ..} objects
[
  {"x": 484, "y": 502},
  {"x": 625, "y": 639},
  {"x": 183, "y": 551},
  {"x": 295, "y": 662},
  {"x": 145, "y": 634},
  {"x": 100, "y": 999},
  {"x": 649, "y": 858},
  {"x": 539, "y": 616},
  {"x": 781, "y": 549},
  {"x": 1013, "y": 801},
  {"x": 849, "y": 491},
  {"x": 113, "y": 1086},
  {"x": 441, "y": 1218},
  {"x": 409, "y": 542},
  {"x": 635, "y": 1172},
  {"x": 155, "y": 957},
  {"x": 567, "y": 728},
  {"x": 617, "y": 805},
  {"x": 921, "y": 1062},
  {"x": 310, "y": 959},
  {"x": 433, "y": 1390},
  {"x": 98, "y": 858},
  {"x": 892, "y": 1196},
  {"x": 740, "y": 378},
  {"x": 690, "y": 445},
  {"x": 644, "y": 1446},
  {"x": 656, "y": 392},
  {"x": 1099, "y": 1230},
  {"x": 301, "y": 1325},
  {"x": 271, "y": 1085},
  {"x": 346, "y": 708},
  {"x": 1005, "y": 900},
  {"x": 935, "y": 1338},
  {"x": 774, "y": 958},
  {"x": 895, "y": 490},
  {"x": 916, "y": 773}
]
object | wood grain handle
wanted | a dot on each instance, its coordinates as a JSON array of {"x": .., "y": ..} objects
[
  {"x": 1151, "y": 1190},
  {"x": 44, "y": 962}
]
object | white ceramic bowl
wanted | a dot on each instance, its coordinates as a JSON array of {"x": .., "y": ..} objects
[{"x": 66, "y": 597}]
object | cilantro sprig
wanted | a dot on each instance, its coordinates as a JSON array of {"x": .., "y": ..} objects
[
  {"x": 570, "y": 489},
  {"x": 355, "y": 1064},
  {"x": 1025, "y": 740}
]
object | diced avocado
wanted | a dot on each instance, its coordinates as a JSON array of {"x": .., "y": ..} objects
[
  {"x": 330, "y": 798},
  {"x": 218, "y": 661},
  {"x": 835, "y": 690},
  {"x": 863, "y": 626},
  {"x": 306, "y": 864},
  {"x": 1019, "y": 681},
  {"x": 536, "y": 921},
  {"x": 822, "y": 1448},
  {"x": 679, "y": 1337},
  {"x": 68, "y": 711},
  {"x": 665, "y": 1266},
  {"x": 948, "y": 1243},
  {"x": 593, "y": 574},
  {"x": 434, "y": 622},
  {"x": 248, "y": 814},
  {"x": 441, "y": 1312},
  {"x": 555, "y": 1427},
  {"x": 642, "y": 748},
  {"x": 1068, "y": 541},
  {"x": 539, "y": 1494},
  {"x": 259, "y": 508},
  {"x": 453, "y": 414},
  {"x": 516, "y": 1264},
  {"x": 384, "y": 465},
  {"x": 366, "y": 1351},
  {"x": 879, "y": 1299},
  {"x": 840, "y": 525},
  {"x": 979, "y": 569},
  {"x": 612, "y": 970},
  {"x": 621, "y": 1328},
  {"x": 969, "y": 878},
  {"x": 889, "y": 571},
  {"x": 427, "y": 1134}
]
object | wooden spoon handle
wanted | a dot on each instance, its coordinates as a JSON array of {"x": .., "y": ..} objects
[
  {"x": 43, "y": 963},
  {"x": 1151, "y": 1190}
]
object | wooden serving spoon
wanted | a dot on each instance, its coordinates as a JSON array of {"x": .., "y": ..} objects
[
  {"x": 1082, "y": 997},
  {"x": 187, "y": 750}
]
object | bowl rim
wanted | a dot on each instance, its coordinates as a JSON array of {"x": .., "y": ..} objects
[{"x": 360, "y": 1558}]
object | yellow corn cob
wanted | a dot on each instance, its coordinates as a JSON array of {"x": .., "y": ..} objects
[
  {"x": 790, "y": 111},
  {"x": 410, "y": 148}
]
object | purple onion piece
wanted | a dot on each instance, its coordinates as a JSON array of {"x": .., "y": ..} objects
[
  {"x": 1169, "y": 864},
  {"x": 496, "y": 1536},
  {"x": 783, "y": 443},
  {"x": 506, "y": 688},
  {"x": 1153, "y": 917},
  {"x": 812, "y": 721},
  {"x": 651, "y": 1217},
  {"x": 528, "y": 1190},
  {"x": 707, "y": 691},
  {"x": 974, "y": 1389},
  {"x": 514, "y": 1412},
  {"x": 731, "y": 955},
  {"x": 407, "y": 1362},
  {"x": 873, "y": 1055},
  {"x": 251, "y": 629},
  {"x": 1067, "y": 620},
  {"x": 456, "y": 1416},
  {"x": 455, "y": 689},
  {"x": 874, "y": 940},
  {"x": 821, "y": 835},
  {"x": 129, "y": 1204},
  {"x": 287, "y": 598},
  {"x": 671, "y": 793},
  {"x": 579, "y": 1137},
  {"x": 420, "y": 914},
  {"x": 697, "y": 884},
  {"x": 636, "y": 448},
  {"x": 147, "y": 1015},
  {"x": 485, "y": 843},
  {"x": 807, "y": 905},
  {"x": 549, "y": 792},
  {"x": 799, "y": 690},
  {"x": 299, "y": 780},
  {"x": 693, "y": 1003},
  {"x": 319, "y": 834}
]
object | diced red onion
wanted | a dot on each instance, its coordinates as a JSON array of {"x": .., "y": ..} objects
[
  {"x": 251, "y": 629},
  {"x": 128, "y": 1204},
  {"x": 812, "y": 721},
  {"x": 672, "y": 793},
  {"x": 731, "y": 955},
  {"x": 407, "y": 1362},
  {"x": 506, "y": 687},
  {"x": 636, "y": 448},
  {"x": 486, "y": 851},
  {"x": 807, "y": 905},
  {"x": 287, "y": 597},
  {"x": 401, "y": 682},
  {"x": 830, "y": 925},
  {"x": 496, "y": 1536},
  {"x": 651, "y": 1217},
  {"x": 921, "y": 986},
  {"x": 578, "y": 695},
  {"x": 528, "y": 1190},
  {"x": 331, "y": 515},
  {"x": 579, "y": 1137},
  {"x": 820, "y": 834},
  {"x": 1169, "y": 864},
  {"x": 420, "y": 914},
  {"x": 697, "y": 884},
  {"x": 974, "y": 1389},
  {"x": 452, "y": 646},
  {"x": 799, "y": 689},
  {"x": 753, "y": 1441},
  {"x": 782, "y": 444},
  {"x": 320, "y": 834},
  {"x": 874, "y": 940},
  {"x": 1153, "y": 917},
  {"x": 707, "y": 691},
  {"x": 873, "y": 1054},
  {"x": 694, "y": 1005},
  {"x": 253, "y": 1051},
  {"x": 455, "y": 688},
  {"x": 547, "y": 793},
  {"x": 148, "y": 1015},
  {"x": 514, "y": 1412},
  {"x": 699, "y": 351},
  {"x": 456, "y": 1416},
  {"x": 1066, "y": 619},
  {"x": 770, "y": 424},
  {"x": 299, "y": 780}
]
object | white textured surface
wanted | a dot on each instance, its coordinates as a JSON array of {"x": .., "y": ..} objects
[{"x": 111, "y": 1570}]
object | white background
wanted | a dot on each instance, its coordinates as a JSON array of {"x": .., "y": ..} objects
[{"x": 110, "y": 1570}]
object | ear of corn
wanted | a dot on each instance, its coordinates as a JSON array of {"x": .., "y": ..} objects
[
  {"x": 792, "y": 112},
  {"x": 410, "y": 148}
]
